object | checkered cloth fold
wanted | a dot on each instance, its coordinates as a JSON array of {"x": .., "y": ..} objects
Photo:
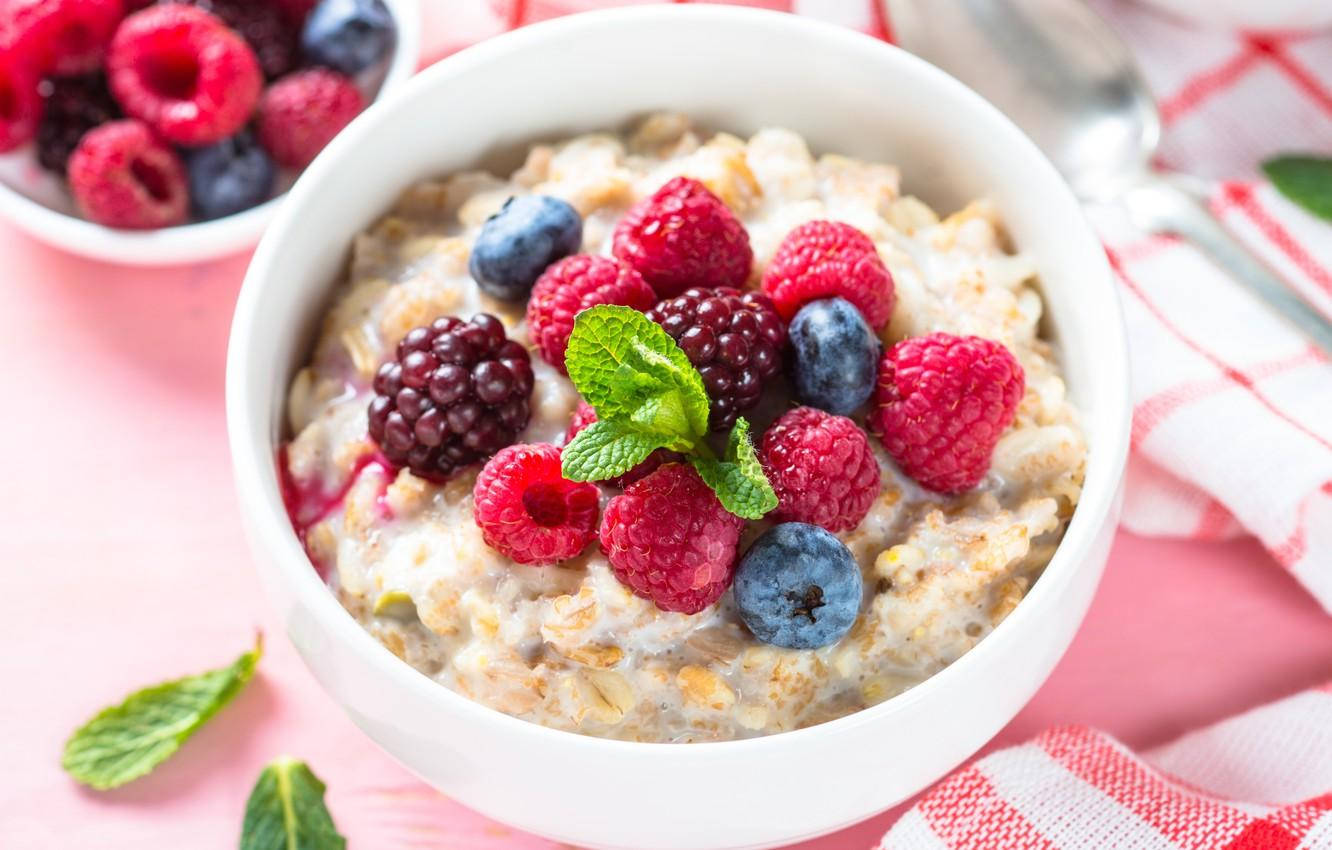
[
  {"x": 1232, "y": 433},
  {"x": 1259, "y": 781}
]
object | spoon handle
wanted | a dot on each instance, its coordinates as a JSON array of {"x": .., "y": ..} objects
[{"x": 1158, "y": 206}]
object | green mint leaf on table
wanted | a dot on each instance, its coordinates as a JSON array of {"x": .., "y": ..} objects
[
  {"x": 1306, "y": 180},
  {"x": 738, "y": 480},
  {"x": 649, "y": 396},
  {"x": 128, "y": 740},
  {"x": 606, "y": 449},
  {"x": 286, "y": 811},
  {"x": 622, "y": 361}
]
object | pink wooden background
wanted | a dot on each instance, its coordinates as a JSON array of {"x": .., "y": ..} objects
[{"x": 124, "y": 558}]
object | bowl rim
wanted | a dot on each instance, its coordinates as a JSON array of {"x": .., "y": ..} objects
[
  {"x": 201, "y": 240},
  {"x": 254, "y": 465}
]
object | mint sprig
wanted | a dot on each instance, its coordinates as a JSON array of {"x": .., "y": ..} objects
[
  {"x": 1306, "y": 180},
  {"x": 286, "y": 811},
  {"x": 738, "y": 478},
  {"x": 649, "y": 396},
  {"x": 128, "y": 740}
]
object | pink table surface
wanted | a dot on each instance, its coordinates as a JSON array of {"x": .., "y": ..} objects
[
  {"x": 124, "y": 557},
  {"x": 123, "y": 553}
]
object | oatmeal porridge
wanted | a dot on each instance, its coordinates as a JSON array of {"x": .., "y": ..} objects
[{"x": 576, "y": 646}]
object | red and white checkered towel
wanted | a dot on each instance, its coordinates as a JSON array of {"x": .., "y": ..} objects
[
  {"x": 1259, "y": 781},
  {"x": 1232, "y": 432}
]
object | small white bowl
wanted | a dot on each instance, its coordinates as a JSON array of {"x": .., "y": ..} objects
[
  {"x": 38, "y": 203},
  {"x": 728, "y": 68}
]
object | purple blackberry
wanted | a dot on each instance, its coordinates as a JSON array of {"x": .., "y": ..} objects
[
  {"x": 734, "y": 339},
  {"x": 262, "y": 25},
  {"x": 74, "y": 105},
  {"x": 456, "y": 393}
]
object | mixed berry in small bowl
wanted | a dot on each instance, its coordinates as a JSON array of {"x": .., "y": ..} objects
[{"x": 145, "y": 115}]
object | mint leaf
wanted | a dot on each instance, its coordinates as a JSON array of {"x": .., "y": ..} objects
[
  {"x": 1306, "y": 180},
  {"x": 648, "y": 395},
  {"x": 621, "y": 362},
  {"x": 128, "y": 740},
  {"x": 286, "y": 811},
  {"x": 738, "y": 481},
  {"x": 604, "y": 450}
]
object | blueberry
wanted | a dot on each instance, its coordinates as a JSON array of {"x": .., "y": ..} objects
[
  {"x": 347, "y": 35},
  {"x": 229, "y": 176},
  {"x": 517, "y": 243},
  {"x": 836, "y": 356},
  {"x": 798, "y": 587}
]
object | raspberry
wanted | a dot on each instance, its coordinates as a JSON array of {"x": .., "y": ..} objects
[
  {"x": 74, "y": 106},
  {"x": 941, "y": 404},
  {"x": 123, "y": 176},
  {"x": 668, "y": 539},
  {"x": 828, "y": 258},
  {"x": 456, "y": 393},
  {"x": 683, "y": 236},
  {"x": 263, "y": 26},
  {"x": 734, "y": 339},
  {"x": 302, "y": 112},
  {"x": 20, "y": 102},
  {"x": 183, "y": 72},
  {"x": 572, "y": 285},
  {"x": 822, "y": 468},
  {"x": 585, "y": 415},
  {"x": 59, "y": 36},
  {"x": 530, "y": 512}
]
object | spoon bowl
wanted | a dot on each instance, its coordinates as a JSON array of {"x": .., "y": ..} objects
[
  {"x": 1057, "y": 70},
  {"x": 1063, "y": 75}
]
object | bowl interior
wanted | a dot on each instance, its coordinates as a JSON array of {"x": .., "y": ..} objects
[{"x": 39, "y": 202}]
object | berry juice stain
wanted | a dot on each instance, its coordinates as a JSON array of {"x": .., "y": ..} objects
[{"x": 308, "y": 503}]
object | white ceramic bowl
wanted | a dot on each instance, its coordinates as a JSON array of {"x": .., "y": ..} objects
[
  {"x": 740, "y": 70},
  {"x": 39, "y": 204}
]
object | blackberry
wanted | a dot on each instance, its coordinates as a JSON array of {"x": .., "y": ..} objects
[
  {"x": 263, "y": 26},
  {"x": 74, "y": 105},
  {"x": 456, "y": 393},
  {"x": 734, "y": 339}
]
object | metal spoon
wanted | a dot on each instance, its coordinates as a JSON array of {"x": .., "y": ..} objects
[{"x": 1067, "y": 79}]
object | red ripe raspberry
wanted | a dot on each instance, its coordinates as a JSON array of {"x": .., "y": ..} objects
[
  {"x": 585, "y": 415},
  {"x": 822, "y": 468},
  {"x": 59, "y": 36},
  {"x": 21, "y": 104},
  {"x": 456, "y": 393},
  {"x": 734, "y": 339},
  {"x": 121, "y": 175},
  {"x": 941, "y": 404},
  {"x": 683, "y": 236},
  {"x": 302, "y": 112},
  {"x": 572, "y": 285},
  {"x": 183, "y": 72},
  {"x": 530, "y": 512},
  {"x": 263, "y": 26},
  {"x": 821, "y": 259},
  {"x": 668, "y": 539}
]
